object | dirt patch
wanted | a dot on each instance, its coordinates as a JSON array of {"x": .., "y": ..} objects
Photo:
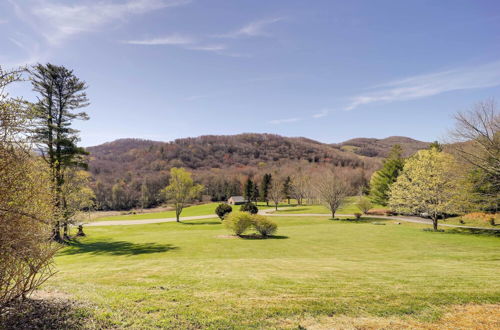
[
  {"x": 49, "y": 310},
  {"x": 481, "y": 317}
]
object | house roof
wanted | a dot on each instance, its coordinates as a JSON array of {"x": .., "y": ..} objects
[{"x": 237, "y": 198}]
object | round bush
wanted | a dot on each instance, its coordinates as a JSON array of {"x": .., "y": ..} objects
[
  {"x": 264, "y": 226},
  {"x": 250, "y": 208},
  {"x": 222, "y": 210},
  {"x": 238, "y": 222}
]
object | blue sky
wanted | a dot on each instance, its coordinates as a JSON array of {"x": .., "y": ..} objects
[{"x": 327, "y": 70}]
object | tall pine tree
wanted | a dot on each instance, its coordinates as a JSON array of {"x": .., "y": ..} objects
[
  {"x": 60, "y": 96},
  {"x": 264, "y": 188},
  {"x": 248, "y": 190},
  {"x": 382, "y": 179}
]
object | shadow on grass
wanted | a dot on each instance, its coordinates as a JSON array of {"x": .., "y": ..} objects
[
  {"x": 117, "y": 248},
  {"x": 471, "y": 231},
  {"x": 201, "y": 223},
  {"x": 358, "y": 221},
  {"x": 255, "y": 236}
]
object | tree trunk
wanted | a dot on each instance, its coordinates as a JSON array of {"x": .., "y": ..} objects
[
  {"x": 56, "y": 233},
  {"x": 178, "y": 211},
  {"x": 276, "y": 206},
  {"x": 288, "y": 201},
  {"x": 333, "y": 214},
  {"x": 65, "y": 231},
  {"x": 435, "y": 223}
]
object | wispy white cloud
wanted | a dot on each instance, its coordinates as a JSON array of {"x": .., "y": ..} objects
[
  {"x": 168, "y": 40},
  {"x": 33, "y": 52},
  {"x": 321, "y": 114},
  {"x": 471, "y": 77},
  {"x": 253, "y": 29},
  {"x": 57, "y": 21},
  {"x": 185, "y": 42},
  {"x": 208, "y": 48},
  {"x": 3, "y": 21},
  {"x": 284, "y": 121}
]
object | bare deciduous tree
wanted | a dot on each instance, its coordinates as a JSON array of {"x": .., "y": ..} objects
[
  {"x": 275, "y": 192},
  {"x": 477, "y": 137},
  {"x": 26, "y": 203},
  {"x": 332, "y": 188}
]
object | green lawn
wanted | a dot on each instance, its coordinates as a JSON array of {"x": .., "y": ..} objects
[
  {"x": 348, "y": 208},
  {"x": 209, "y": 208},
  {"x": 202, "y": 209},
  {"x": 185, "y": 275}
]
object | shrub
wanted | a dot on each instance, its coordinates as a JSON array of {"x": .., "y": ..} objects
[
  {"x": 250, "y": 208},
  {"x": 222, "y": 210},
  {"x": 239, "y": 222},
  {"x": 364, "y": 204},
  {"x": 264, "y": 226},
  {"x": 481, "y": 216},
  {"x": 357, "y": 215},
  {"x": 380, "y": 212}
]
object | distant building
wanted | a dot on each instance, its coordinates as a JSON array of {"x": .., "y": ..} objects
[{"x": 236, "y": 200}]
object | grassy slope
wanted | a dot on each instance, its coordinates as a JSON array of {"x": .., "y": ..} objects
[
  {"x": 202, "y": 209},
  {"x": 183, "y": 275},
  {"x": 349, "y": 207}
]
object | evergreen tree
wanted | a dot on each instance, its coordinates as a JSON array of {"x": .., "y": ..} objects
[
  {"x": 436, "y": 145},
  {"x": 287, "y": 188},
  {"x": 255, "y": 192},
  {"x": 60, "y": 95},
  {"x": 264, "y": 188},
  {"x": 382, "y": 179},
  {"x": 248, "y": 190}
]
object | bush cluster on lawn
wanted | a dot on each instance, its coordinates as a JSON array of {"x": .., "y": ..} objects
[
  {"x": 222, "y": 210},
  {"x": 264, "y": 226},
  {"x": 250, "y": 208},
  {"x": 380, "y": 212},
  {"x": 481, "y": 216},
  {"x": 240, "y": 222}
]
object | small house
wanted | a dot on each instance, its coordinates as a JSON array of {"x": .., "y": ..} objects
[{"x": 236, "y": 200}]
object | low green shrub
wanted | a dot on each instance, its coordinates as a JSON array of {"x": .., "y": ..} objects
[
  {"x": 250, "y": 208},
  {"x": 264, "y": 226},
  {"x": 239, "y": 222},
  {"x": 222, "y": 210}
]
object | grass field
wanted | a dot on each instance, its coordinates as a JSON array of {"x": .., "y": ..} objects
[
  {"x": 209, "y": 208},
  {"x": 202, "y": 209},
  {"x": 349, "y": 207},
  {"x": 189, "y": 275}
]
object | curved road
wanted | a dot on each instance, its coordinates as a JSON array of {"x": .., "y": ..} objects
[{"x": 268, "y": 213}]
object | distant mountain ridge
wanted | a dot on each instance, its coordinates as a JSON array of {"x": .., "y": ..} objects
[
  {"x": 372, "y": 147},
  {"x": 249, "y": 149}
]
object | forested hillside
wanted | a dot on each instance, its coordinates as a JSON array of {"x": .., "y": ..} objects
[
  {"x": 380, "y": 147},
  {"x": 131, "y": 172}
]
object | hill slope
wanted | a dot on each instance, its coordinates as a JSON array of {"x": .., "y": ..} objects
[
  {"x": 126, "y": 169},
  {"x": 380, "y": 147}
]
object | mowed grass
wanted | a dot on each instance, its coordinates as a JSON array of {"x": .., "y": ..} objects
[
  {"x": 187, "y": 275},
  {"x": 194, "y": 210},
  {"x": 349, "y": 207},
  {"x": 202, "y": 209}
]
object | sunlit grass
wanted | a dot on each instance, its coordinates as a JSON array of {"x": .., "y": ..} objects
[{"x": 187, "y": 275}]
